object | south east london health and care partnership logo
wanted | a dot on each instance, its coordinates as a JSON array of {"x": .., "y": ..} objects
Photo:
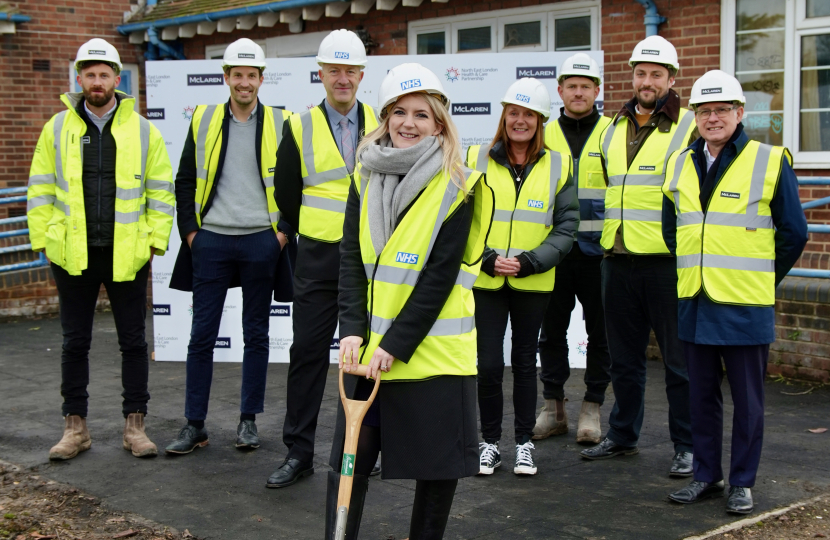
[
  {"x": 187, "y": 112},
  {"x": 452, "y": 74}
]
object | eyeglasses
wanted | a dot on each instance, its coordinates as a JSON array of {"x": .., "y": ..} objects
[{"x": 722, "y": 112}]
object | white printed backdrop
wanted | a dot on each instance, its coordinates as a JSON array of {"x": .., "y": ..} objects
[{"x": 174, "y": 88}]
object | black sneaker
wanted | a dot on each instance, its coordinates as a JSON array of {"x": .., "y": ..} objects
[
  {"x": 246, "y": 435},
  {"x": 524, "y": 459},
  {"x": 489, "y": 459},
  {"x": 189, "y": 438}
]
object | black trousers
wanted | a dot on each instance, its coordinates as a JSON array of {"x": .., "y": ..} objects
[
  {"x": 746, "y": 368},
  {"x": 640, "y": 293},
  {"x": 576, "y": 277},
  {"x": 78, "y": 296},
  {"x": 315, "y": 319},
  {"x": 526, "y": 310}
]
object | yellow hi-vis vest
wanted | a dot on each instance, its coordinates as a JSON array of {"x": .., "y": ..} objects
[
  {"x": 325, "y": 176},
  {"x": 587, "y": 169},
  {"x": 207, "y": 135},
  {"x": 450, "y": 346},
  {"x": 633, "y": 200},
  {"x": 145, "y": 200},
  {"x": 728, "y": 251},
  {"x": 520, "y": 223}
]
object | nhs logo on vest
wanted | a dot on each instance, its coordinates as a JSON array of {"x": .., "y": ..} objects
[
  {"x": 205, "y": 80},
  {"x": 406, "y": 258},
  {"x": 341, "y": 55},
  {"x": 523, "y": 98},
  {"x": 222, "y": 343},
  {"x": 413, "y": 83},
  {"x": 535, "y": 204},
  {"x": 280, "y": 311},
  {"x": 161, "y": 309}
]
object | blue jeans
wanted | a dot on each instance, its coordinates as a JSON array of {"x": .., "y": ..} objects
[
  {"x": 639, "y": 293},
  {"x": 217, "y": 259}
]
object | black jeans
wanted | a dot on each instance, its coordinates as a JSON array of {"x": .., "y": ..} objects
[
  {"x": 640, "y": 293},
  {"x": 78, "y": 296},
  {"x": 315, "y": 319},
  {"x": 576, "y": 277},
  {"x": 526, "y": 310},
  {"x": 216, "y": 258}
]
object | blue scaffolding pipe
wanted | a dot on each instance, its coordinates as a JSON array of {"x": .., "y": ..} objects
[
  {"x": 16, "y": 232},
  {"x": 12, "y": 191},
  {"x": 24, "y": 265},
  {"x": 809, "y": 272},
  {"x": 11, "y": 220},
  {"x": 818, "y": 228},
  {"x": 814, "y": 181},
  {"x": 16, "y": 249},
  {"x": 816, "y": 203},
  {"x": 14, "y": 17},
  {"x": 271, "y": 7},
  {"x": 10, "y": 200}
]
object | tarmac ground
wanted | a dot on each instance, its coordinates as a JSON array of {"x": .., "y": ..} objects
[{"x": 218, "y": 492}]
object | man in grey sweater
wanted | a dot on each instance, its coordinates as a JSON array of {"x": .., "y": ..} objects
[{"x": 233, "y": 237}]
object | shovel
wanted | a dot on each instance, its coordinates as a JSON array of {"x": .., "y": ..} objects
[{"x": 355, "y": 411}]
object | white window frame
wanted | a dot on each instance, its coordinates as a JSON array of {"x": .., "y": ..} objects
[
  {"x": 546, "y": 14},
  {"x": 796, "y": 25}
]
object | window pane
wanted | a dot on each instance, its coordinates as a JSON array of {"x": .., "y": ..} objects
[
  {"x": 760, "y": 51},
  {"x": 433, "y": 43},
  {"x": 818, "y": 8},
  {"x": 759, "y": 14},
  {"x": 815, "y": 93},
  {"x": 573, "y": 34},
  {"x": 471, "y": 39},
  {"x": 765, "y": 128},
  {"x": 523, "y": 34},
  {"x": 763, "y": 91}
]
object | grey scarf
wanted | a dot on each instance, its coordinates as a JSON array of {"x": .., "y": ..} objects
[{"x": 396, "y": 176}]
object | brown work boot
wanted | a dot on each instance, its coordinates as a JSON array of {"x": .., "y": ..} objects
[
  {"x": 553, "y": 420},
  {"x": 75, "y": 439},
  {"x": 589, "y": 431},
  {"x": 135, "y": 439}
]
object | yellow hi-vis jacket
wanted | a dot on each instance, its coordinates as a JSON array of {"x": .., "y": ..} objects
[
  {"x": 520, "y": 223},
  {"x": 450, "y": 346},
  {"x": 590, "y": 181},
  {"x": 728, "y": 250},
  {"x": 145, "y": 200},
  {"x": 325, "y": 176},
  {"x": 634, "y": 200},
  {"x": 207, "y": 136}
]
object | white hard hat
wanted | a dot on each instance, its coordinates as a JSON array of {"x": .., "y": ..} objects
[
  {"x": 655, "y": 50},
  {"x": 244, "y": 52},
  {"x": 98, "y": 50},
  {"x": 529, "y": 93},
  {"x": 716, "y": 85},
  {"x": 580, "y": 65},
  {"x": 408, "y": 79},
  {"x": 342, "y": 47}
]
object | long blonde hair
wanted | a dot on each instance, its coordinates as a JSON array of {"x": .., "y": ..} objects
[{"x": 448, "y": 138}]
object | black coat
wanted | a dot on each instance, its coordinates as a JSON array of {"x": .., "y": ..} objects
[
  {"x": 428, "y": 428},
  {"x": 182, "y": 278}
]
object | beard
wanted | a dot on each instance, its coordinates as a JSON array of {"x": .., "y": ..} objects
[
  {"x": 99, "y": 100},
  {"x": 652, "y": 102}
]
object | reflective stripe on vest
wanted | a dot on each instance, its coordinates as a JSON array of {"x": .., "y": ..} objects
[
  {"x": 729, "y": 252},
  {"x": 521, "y": 223},
  {"x": 589, "y": 180},
  {"x": 450, "y": 346},
  {"x": 633, "y": 199},
  {"x": 325, "y": 176},
  {"x": 208, "y": 140}
]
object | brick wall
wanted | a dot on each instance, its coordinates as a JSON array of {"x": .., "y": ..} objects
[{"x": 802, "y": 328}]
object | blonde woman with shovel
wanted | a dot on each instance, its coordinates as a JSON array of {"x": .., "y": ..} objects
[{"x": 416, "y": 221}]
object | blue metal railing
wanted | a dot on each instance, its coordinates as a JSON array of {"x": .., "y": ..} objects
[
  {"x": 814, "y": 227},
  {"x": 9, "y": 196}
]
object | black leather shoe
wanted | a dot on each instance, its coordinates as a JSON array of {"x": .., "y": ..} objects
[
  {"x": 608, "y": 449},
  {"x": 697, "y": 491},
  {"x": 739, "y": 500},
  {"x": 681, "y": 465},
  {"x": 246, "y": 435},
  {"x": 289, "y": 473},
  {"x": 190, "y": 437}
]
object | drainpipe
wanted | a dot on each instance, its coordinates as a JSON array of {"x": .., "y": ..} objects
[
  {"x": 162, "y": 46},
  {"x": 652, "y": 19}
]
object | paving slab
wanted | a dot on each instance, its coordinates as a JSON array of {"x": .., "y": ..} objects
[{"x": 219, "y": 492}]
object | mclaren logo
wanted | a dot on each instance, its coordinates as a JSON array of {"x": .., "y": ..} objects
[
  {"x": 541, "y": 72},
  {"x": 315, "y": 77},
  {"x": 470, "y": 108},
  {"x": 97, "y": 52},
  {"x": 161, "y": 309},
  {"x": 594, "y": 154},
  {"x": 155, "y": 114},
  {"x": 582, "y": 66},
  {"x": 205, "y": 80},
  {"x": 730, "y": 195},
  {"x": 280, "y": 311},
  {"x": 222, "y": 343},
  {"x": 650, "y": 51},
  {"x": 706, "y": 91},
  {"x": 246, "y": 55}
]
